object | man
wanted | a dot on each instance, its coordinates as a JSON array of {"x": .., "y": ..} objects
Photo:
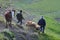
[
  {"x": 42, "y": 23},
  {"x": 13, "y": 13},
  {"x": 20, "y": 17}
]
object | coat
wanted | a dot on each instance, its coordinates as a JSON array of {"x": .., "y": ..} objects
[
  {"x": 41, "y": 22},
  {"x": 19, "y": 16}
]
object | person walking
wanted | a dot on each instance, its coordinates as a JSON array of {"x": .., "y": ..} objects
[
  {"x": 42, "y": 23},
  {"x": 20, "y": 17}
]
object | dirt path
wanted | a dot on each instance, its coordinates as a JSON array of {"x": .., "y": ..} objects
[
  {"x": 2, "y": 26},
  {"x": 20, "y": 34}
]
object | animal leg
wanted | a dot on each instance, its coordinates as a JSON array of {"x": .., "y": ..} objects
[{"x": 10, "y": 24}]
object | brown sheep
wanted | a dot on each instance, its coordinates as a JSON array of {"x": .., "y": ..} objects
[
  {"x": 9, "y": 15},
  {"x": 8, "y": 18}
]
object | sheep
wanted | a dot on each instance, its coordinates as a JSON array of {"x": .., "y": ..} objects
[
  {"x": 32, "y": 25},
  {"x": 9, "y": 16}
]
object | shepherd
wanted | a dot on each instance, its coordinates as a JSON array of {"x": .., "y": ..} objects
[
  {"x": 20, "y": 17},
  {"x": 42, "y": 23}
]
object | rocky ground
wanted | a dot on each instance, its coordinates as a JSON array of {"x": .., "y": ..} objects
[{"x": 20, "y": 32}]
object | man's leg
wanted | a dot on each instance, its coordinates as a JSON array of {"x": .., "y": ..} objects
[
  {"x": 43, "y": 29},
  {"x": 18, "y": 21},
  {"x": 21, "y": 22}
]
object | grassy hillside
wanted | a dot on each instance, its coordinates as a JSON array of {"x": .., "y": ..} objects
[
  {"x": 6, "y": 35},
  {"x": 52, "y": 31},
  {"x": 52, "y": 28},
  {"x": 49, "y": 8},
  {"x": 44, "y": 7}
]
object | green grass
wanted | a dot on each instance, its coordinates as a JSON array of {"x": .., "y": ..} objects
[
  {"x": 1, "y": 18},
  {"x": 1, "y": 36},
  {"x": 52, "y": 31},
  {"x": 6, "y": 35},
  {"x": 42, "y": 7},
  {"x": 52, "y": 28},
  {"x": 45, "y": 5},
  {"x": 49, "y": 8}
]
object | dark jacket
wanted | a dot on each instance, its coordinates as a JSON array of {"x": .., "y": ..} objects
[
  {"x": 41, "y": 22},
  {"x": 19, "y": 16}
]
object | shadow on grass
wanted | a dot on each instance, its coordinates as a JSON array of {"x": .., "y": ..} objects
[{"x": 46, "y": 37}]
